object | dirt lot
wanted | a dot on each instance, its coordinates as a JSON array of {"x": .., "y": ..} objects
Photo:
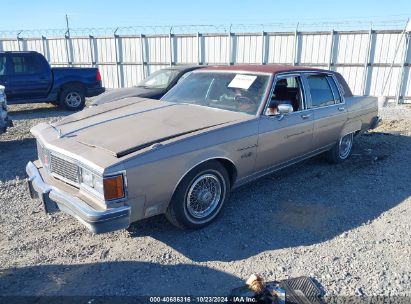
[{"x": 346, "y": 225}]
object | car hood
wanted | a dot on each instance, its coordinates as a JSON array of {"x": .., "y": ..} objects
[
  {"x": 133, "y": 124},
  {"x": 117, "y": 94}
]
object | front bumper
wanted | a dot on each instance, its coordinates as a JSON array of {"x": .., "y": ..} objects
[{"x": 97, "y": 221}]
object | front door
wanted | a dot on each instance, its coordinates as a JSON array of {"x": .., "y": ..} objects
[
  {"x": 28, "y": 78},
  {"x": 284, "y": 137}
]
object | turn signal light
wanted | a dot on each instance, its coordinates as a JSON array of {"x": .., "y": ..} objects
[{"x": 113, "y": 187}]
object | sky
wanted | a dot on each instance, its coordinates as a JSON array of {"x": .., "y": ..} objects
[{"x": 47, "y": 14}]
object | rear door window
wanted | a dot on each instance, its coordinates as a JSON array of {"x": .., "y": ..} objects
[
  {"x": 2, "y": 65},
  {"x": 320, "y": 90}
]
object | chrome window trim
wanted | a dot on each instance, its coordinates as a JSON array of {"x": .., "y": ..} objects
[
  {"x": 339, "y": 88},
  {"x": 308, "y": 73},
  {"x": 332, "y": 90},
  {"x": 274, "y": 82}
]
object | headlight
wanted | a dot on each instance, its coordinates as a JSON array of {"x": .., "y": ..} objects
[{"x": 109, "y": 188}]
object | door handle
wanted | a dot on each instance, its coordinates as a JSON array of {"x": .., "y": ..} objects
[
  {"x": 305, "y": 116},
  {"x": 341, "y": 109}
]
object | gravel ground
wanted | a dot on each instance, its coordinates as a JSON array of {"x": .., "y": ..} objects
[{"x": 347, "y": 226}]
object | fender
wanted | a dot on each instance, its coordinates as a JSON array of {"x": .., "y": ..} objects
[{"x": 205, "y": 157}]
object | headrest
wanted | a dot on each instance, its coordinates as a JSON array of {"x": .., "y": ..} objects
[{"x": 281, "y": 83}]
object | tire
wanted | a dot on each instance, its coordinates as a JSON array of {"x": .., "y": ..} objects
[
  {"x": 341, "y": 150},
  {"x": 186, "y": 209},
  {"x": 72, "y": 98}
]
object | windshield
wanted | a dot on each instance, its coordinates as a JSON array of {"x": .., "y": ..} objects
[
  {"x": 159, "y": 80},
  {"x": 223, "y": 90}
]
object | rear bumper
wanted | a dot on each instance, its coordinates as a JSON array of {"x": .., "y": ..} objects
[
  {"x": 90, "y": 92},
  {"x": 374, "y": 122},
  {"x": 97, "y": 221}
]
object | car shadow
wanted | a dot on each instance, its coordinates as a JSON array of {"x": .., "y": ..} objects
[
  {"x": 20, "y": 152},
  {"x": 305, "y": 204},
  {"x": 124, "y": 278}
]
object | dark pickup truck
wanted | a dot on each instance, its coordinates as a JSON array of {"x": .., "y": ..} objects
[{"x": 28, "y": 78}]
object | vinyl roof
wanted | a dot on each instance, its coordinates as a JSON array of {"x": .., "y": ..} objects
[{"x": 268, "y": 68}]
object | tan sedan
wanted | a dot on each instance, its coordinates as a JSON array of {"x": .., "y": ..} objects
[{"x": 220, "y": 128}]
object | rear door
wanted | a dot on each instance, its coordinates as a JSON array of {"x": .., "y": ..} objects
[
  {"x": 327, "y": 103},
  {"x": 29, "y": 77},
  {"x": 283, "y": 138}
]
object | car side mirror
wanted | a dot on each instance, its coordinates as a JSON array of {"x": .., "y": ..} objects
[
  {"x": 285, "y": 108},
  {"x": 281, "y": 110}
]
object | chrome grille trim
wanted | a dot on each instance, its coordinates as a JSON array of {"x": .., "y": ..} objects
[
  {"x": 64, "y": 168},
  {"x": 59, "y": 166}
]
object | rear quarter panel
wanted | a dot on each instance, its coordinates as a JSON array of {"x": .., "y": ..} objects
[
  {"x": 84, "y": 76},
  {"x": 361, "y": 111}
]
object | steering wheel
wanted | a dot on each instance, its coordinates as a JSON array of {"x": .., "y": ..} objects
[{"x": 244, "y": 100}]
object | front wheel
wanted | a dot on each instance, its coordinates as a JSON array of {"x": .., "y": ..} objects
[
  {"x": 73, "y": 98},
  {"x": 342, "y": 149},
  {"x": 200, "y": 196}
]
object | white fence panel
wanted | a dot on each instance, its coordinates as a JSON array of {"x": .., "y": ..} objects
[
  {"x": 216, "y": 49},
  {"x": 81, "y": 50},
  {"x": 34, "y": 45},
  {"x": 131, "y": 49},
  {"x": 351, "y": 48},
  {"x": 132, "y": 74},
  {"x": 186, "y": 49},
  {"x": 108, "y": 75},
  {"x": 315, "y": 48},
  {"x": 248, "y": 48},
  {"x": 353, "y": 76},
  {"x": 281, "y": 48},
  {"x": 57, "y": 51},
  {"x": 106, "y": 50},
  {"x": 10, "y": 45},
  {"x": 364, "y": 58},
  {"x": 158, "y": 49}
]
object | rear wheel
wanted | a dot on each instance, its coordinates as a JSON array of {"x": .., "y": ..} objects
[
  {"x": 342, "y": 149},
  {"x": 73, "y": 98},
  {"x": 200, "y": 196}
]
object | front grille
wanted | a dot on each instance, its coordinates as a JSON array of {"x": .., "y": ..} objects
[{"x": 64, "y": 168}]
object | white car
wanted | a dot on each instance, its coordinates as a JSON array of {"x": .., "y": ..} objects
[{"x": 4, "y": 118}]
